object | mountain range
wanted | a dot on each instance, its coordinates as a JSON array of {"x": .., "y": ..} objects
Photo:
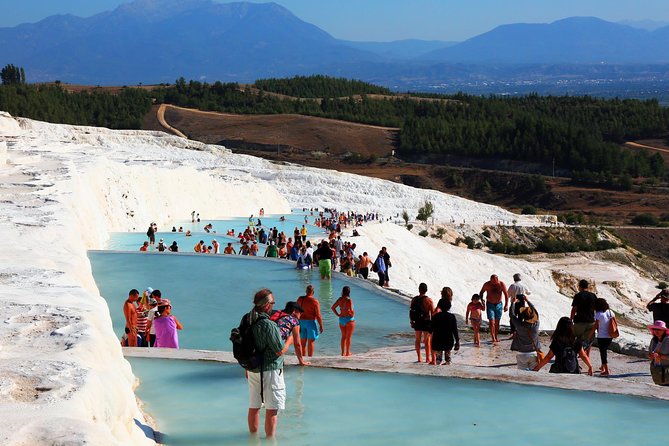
[{"x": 153, "y": 41}]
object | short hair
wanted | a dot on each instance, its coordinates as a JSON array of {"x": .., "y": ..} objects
[
  {"x": 583, "y": 284},
  {"x": 346, "y": 291},
  {"x": 516, "y": 277},
  {"x": 133, "y": 292},
  {"x": 444, "y": 305},
  {"x": 156, "y": 293},
  {"x": 261, "y": 297},
  {"x": 422, "y": 288},
  {"x": 310, "y": 289}
]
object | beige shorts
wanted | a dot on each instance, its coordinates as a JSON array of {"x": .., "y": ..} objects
[{"x": 274, "y": 390}]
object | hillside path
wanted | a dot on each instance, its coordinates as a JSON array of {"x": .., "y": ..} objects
[{"x": 165, "y": 124}]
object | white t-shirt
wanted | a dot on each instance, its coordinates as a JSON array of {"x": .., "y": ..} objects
[
  {"x": 517, "y": 288},
  {"x": 603, "y": 318}
]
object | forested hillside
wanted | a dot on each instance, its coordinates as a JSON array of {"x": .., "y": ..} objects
[
  {"x": 579, "y": 134},
  {"x": 53, "y": 104},
  {"x": 319, "y": 87}
]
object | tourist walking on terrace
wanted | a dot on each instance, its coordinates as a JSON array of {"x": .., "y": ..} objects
[
  {"x": 525, "y": 317},
  {"x": 420, "y": 317},
  {"x": 658, "y": 353},
  {"x": 166, "y": 326},
  {"x": 130, "y": 314},
  {"x": 565, "y": 346},
  {"x": 660, "y": 309},
  {"x": 346, "y": 316},
  {"x": 444, "y": 337},
  {"x": 266, "y": 384},
  {"x": 365, "y": 262},
  {"x": 604, "y": 318},
  {"x": 379, "y": 268},
  {"x": 493, "y": 290},
  {"x": 386, "y": 260},
  {"x": 474, "y": 314},
  {"x": 312, "y": 314},
  {"x": 583, "y": 315}
]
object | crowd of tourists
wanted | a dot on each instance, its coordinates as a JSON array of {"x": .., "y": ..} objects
[{"x": 149, "y": 321}]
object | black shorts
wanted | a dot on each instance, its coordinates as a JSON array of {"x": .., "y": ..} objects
[{"x": 424, "y": 325}]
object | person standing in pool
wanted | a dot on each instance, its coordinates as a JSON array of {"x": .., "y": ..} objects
[
  {"x": 324, "y": 254},
  {"x": 166, "y": 326},
  {"x": 151, "y": 233},
  {"x": 346, "y": 316},
  {"x": 270, "y": 389},
  {"x": 303, "y": 233},
  {"x": 130, "y": 314},
  {"x": 493, "y": 290},
  {"x": 312, "y": 314}
]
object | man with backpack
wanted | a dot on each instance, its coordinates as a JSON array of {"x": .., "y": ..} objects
[
  {"x": 420, "y": 317},
  {"x": 257, "y": 345}
]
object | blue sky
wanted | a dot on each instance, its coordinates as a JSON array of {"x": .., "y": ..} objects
[{"x": 384, "y": 20}]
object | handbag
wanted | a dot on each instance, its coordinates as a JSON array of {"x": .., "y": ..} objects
[{"x": 613, "y": 328}]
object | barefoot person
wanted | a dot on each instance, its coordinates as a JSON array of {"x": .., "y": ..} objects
[
  {"x": 130, "y": 313},
  {"x": 346, "y": 316},
  {"x": 493, "y": 290},
  {"x": 444, "y": 336},
  {"x": 312, "y": 314},
  {"x": 583, "y": 315},
  {"x": 266, "y": 384},
  {"x": 474, "y": 315},
  {"x": 420, "y": 317}
]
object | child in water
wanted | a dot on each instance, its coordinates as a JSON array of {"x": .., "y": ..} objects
[
  {"x": 473, "y": 314},
  {"x": 346, "y": 317}
]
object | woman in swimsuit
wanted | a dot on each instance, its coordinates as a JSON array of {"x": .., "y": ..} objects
[{"x": 346, "y": 317}]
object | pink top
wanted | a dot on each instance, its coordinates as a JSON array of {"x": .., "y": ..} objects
[{"x": 166, "y": 332}]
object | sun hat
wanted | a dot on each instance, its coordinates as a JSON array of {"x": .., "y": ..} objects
[
  {"x": 149, "y": 289},
  {"x": 527, "y": 314},
  {"x": 165, "y": 303},
  {"x": 657, "y": 325}
]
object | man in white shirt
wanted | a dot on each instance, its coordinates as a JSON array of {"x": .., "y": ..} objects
[{"x": 516, "y": 289}]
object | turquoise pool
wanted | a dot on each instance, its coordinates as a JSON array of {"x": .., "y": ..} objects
[
  {"x": 199, "y": 403},
  {"x": 209, "y": 295}
]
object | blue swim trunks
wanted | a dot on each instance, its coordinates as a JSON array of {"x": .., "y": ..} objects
[
  {"x": 345, "y": 320},
  {"x": 494, "y": 311},
  {"x": 308, "y": 329}
]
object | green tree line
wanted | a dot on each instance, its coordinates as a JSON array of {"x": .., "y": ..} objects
[
  {"x": 319, "y": 87},
  {"x": 580, "y": 134},
  {"x": 51, "y": 103}
]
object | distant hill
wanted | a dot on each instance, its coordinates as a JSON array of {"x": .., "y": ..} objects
[
  {"x": 400, "y": 49},
  {"x": 572, "y": 40},
  {"x": 158, "y": 41},
  {"x": 648, "y": 25}
]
